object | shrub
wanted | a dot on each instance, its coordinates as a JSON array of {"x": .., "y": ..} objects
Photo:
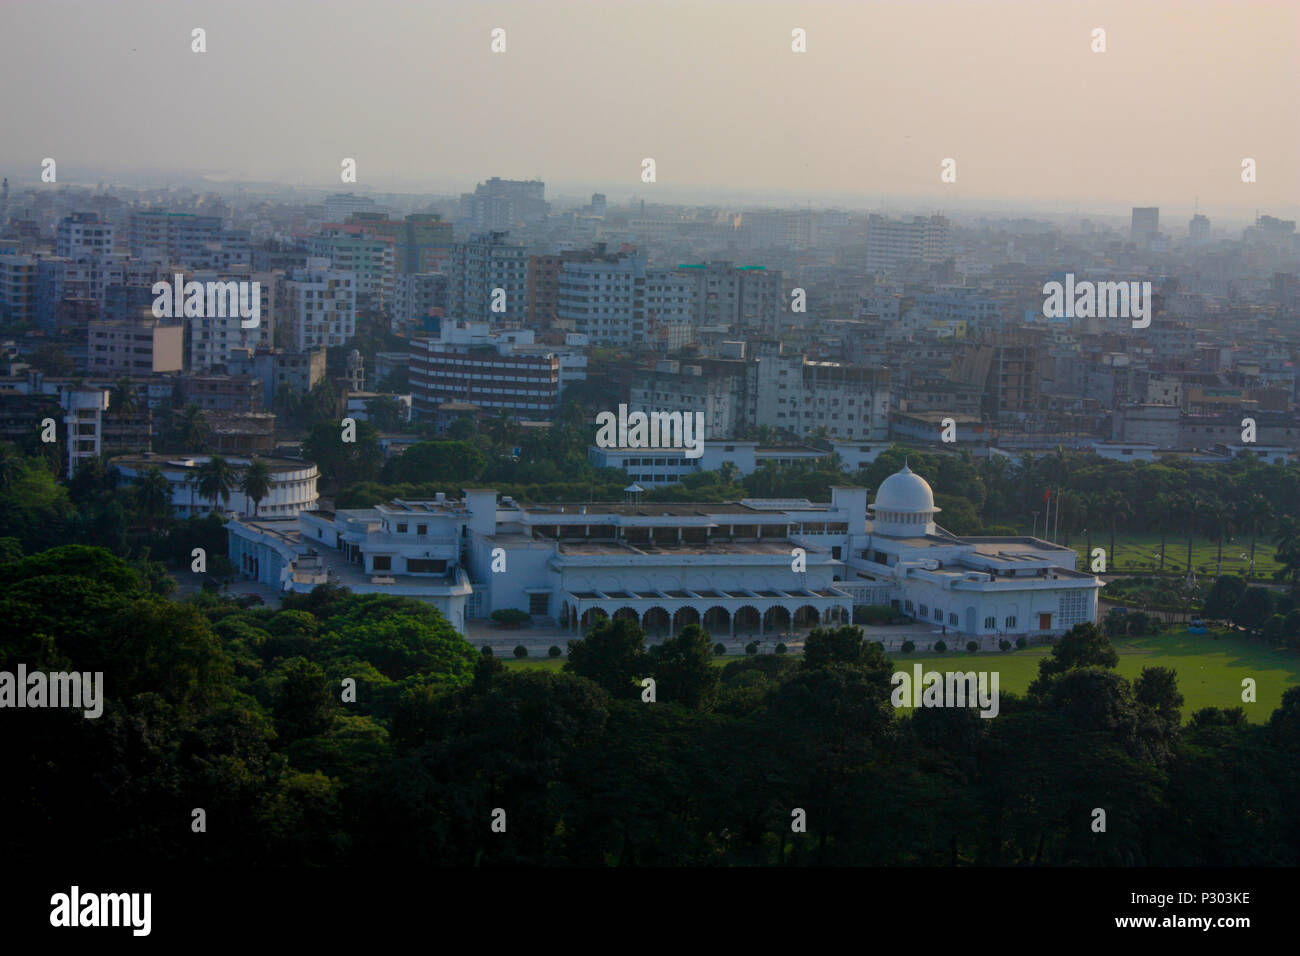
[
  {"x": 940, "y": 646},
  {"x": 874, "y": 614},
  {"x": 781, "y": 649},
  {"x": 521, "y": 651},
  {"x": 485, "y": 650},
  {"x": 908, "y": 647},
  {"x": 751, "y": 647},
  {"x": 554, "y": 651},
  {"x": 1004, "y": 644},
  {"x": 1021, "y": 643},
  {"x": 510, "y": 617},
  {"x": 719, "y": 649},
  {"x": 972, "y": 646}
]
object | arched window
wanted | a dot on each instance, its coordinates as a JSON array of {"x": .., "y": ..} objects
[
  {"x": 990, "y": 623},
  {"x": 1011, "y": 621}
]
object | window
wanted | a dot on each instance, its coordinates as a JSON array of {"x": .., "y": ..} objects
[
  {"x": 1010, "y": 621},
  {"x": 401, "y": 529},
  {"x": 539, "y": 603},
  {"x": 952, "y": 619},
  {"x": 421, "y": 529},
  {"x": 425, "y": 566},
  {"x": 384, "y": 563},
  {"x": 938, "y": 614},
  {"x": 990, "y": 623},
  {"x": 907, "y": 606},
  {"x": 923, "y": 609}
]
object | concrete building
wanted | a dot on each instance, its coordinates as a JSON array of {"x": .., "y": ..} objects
[
  {"x": 725, "y": 566},
  {"x": 891, "y": 242},
  {"x": 293, "y": 487},
  {"x": 147, "y": 346},
  {"x": 318, "y": 306},
  {"x": 370, "y": 259},
  {"x": 478, "y": 268},
  {"x": 279, "y": 369},
  {"x": 83, "y": 233},
  {"x": 470, "y": 362}
]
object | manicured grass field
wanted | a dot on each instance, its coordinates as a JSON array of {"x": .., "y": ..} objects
[
  {"x": 1210, "y": 671},
  {"x": 1141, "y": 552}
]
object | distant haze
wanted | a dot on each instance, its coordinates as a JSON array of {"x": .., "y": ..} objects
[{"x": 709, "y": 89}]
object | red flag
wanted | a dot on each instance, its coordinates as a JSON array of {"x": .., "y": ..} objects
[{"x": 1047, "y": 495}]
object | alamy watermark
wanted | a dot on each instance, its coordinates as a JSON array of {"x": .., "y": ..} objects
[
  {"x": 651, "y": 430},
  {"x": 102, "y": 909},
  {"x": 209, "y": 300},
  {"x": 953, "y": 689},
  {"x": 82, "y": 691},
  {"x": 1102, "y": 300}
]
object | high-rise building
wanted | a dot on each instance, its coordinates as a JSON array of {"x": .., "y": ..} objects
[
  {"x": 479, "y": 267},
  {"x": 891, "y": 242},
  {"x": 616, "y": 300},
  {"x": 744, "y": 298},
  {"x": 1198, "y": 229},
  {"x": 501, "y": 204},
  {"x": 469, "y": 362},
  {"x": 1145, "y": 224},
  {"x": 181, "y": 238},
  {"x": 422, "y": 241},
  {"x": 83, "y": 233},
  {"x": 318, "y": 306},
  {"x": 369, "y": 257}
]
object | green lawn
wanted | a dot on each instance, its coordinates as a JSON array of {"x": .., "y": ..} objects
[
  {"x": 1141, "y": 552},
  {"x": 1209, "y": 671}
]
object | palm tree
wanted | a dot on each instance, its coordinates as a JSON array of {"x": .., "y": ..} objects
[
  {"x": 1250, "y": 512},
  {"x": 153, "y": 496},
  {"x": 1163, "y": 509},
  {"x": 729, "y": 474},
  {"x": 193, "y": 429},
  {"x": 216, "y": 479},
  {"x": 1117, "y": 507},
  {"x": 123, "y": 400},
  {"x": 256, "y": 483},
  {"x": 1216, "y": 522}
]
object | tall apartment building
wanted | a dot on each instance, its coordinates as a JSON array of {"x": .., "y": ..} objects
[
  {"x": 714, "y": 388},
  {"x": 212, "y": 337},
  {"x": 616, "y": 300},
  {"x": 341, "y": 205},
  {"x": 1198, "y": 228},
  {"x": 418, "y": 296},
  {"x": 145, "y": 346},
  {"x": 1006, "y": 370},
  {"x": 788, "y": 229},
  {"x": 485, "y": 263},
  {"x": 182, "y": 238},
  {"x": 317, "y": 306},
  {"x": 499, "y": 204},
  {"x": 422, "y": 241},
  {"x": 279, "y": 369},
  {"x": 369, "y": 257},
  {"x": 83, "y": 233},
  {"x": 18, "y": 285},
  {"x": 1145, "y": 223},
  {"x": 469, "y": 362},
  {"x": 891, "y": 242},
  {"x": 788, "y": 392},
  {"x": 743, "y": 298}
]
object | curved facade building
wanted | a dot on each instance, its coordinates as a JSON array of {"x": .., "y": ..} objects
[{"x": 293, "y": 489}]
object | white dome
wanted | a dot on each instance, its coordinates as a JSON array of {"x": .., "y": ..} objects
[{"x": 904, "y": 492}]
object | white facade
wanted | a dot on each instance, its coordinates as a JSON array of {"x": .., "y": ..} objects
[
  {"x": 727, "y": 566},
  {"x": 319, "y": 305},
  {"x": 293, "y": 488}
]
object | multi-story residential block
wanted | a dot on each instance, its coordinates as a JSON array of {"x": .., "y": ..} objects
[
  {"x": 18, "y": 285},
  {"x": 177, "y": 238},
  {"x": 146, "y": 346},
  {"x": 891, "y": 242},
  {"x": 744, "y": 298},
  {"x": 468, "y": 362},
  {"x": 279, "y": 370},
  {"x": 227, "y": 393},
  {"x": 212, "y": 337},
  {"x": 317, "y": 306},
  {"x": 501, "y": 204},
  {"x": 421, "y": 242},
  {"x": 480, "y": 267},
  {"x": 369, "y": 257},
  {"x": 83, "y": 233},
  {"x": 1145, "y": 224},
  {"x": 790, "y": 393},
  {"x": 417, "y": 297}
]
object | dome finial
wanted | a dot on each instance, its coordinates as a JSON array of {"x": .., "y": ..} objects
[{"x": 906, "y": 469}]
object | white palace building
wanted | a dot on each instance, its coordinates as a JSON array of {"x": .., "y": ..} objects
[{"x": 759, "y": 567}]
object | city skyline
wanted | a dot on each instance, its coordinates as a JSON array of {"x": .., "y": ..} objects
[{"x": 728, "y": 111}]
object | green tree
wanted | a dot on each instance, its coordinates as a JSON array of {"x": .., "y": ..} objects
[
  {"x": 193, "y": 429},
  {"x": 682, "y": 668},
  {"x": 216, "y": 478},
  {"x": 612, "y": 654},
  {"x": 256, "y": 482},
  {"x": 343, "y": 463}
]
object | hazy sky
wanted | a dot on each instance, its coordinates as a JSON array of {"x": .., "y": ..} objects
[{"x": 709, "y": 88}]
